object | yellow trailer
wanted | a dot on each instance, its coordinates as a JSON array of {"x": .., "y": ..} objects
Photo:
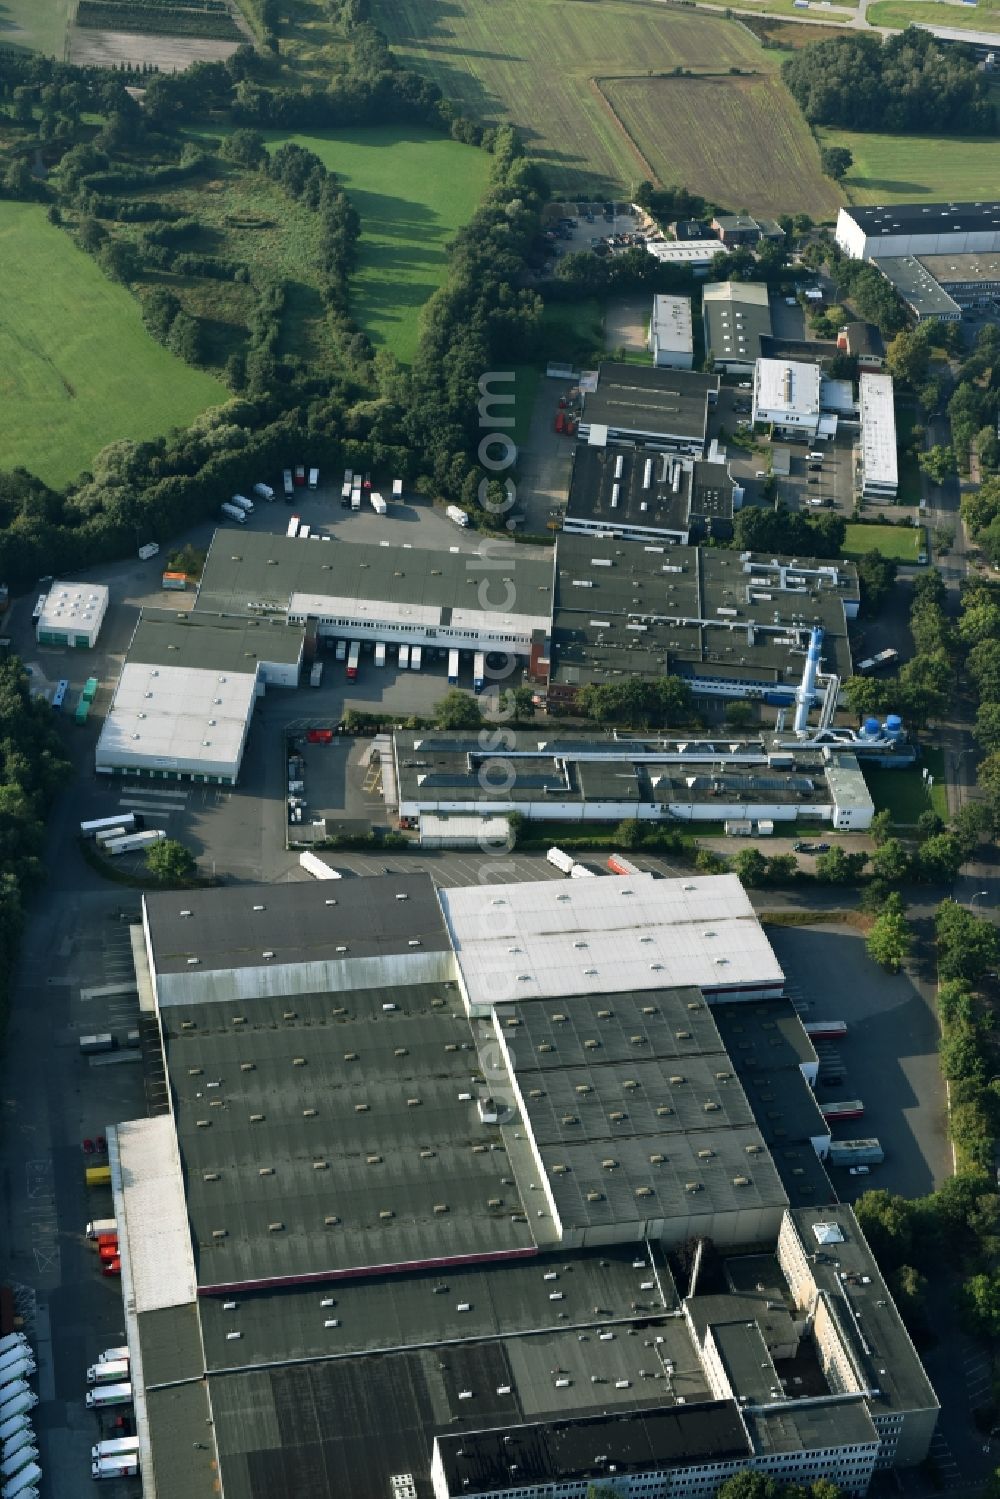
[{"x": 98, "y": 1176}]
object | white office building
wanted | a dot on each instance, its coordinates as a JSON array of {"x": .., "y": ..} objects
[
  {"x": 71, "y": 614},
  {"x": 786, "y": 394},
  {"x": 878, "y": 471}
]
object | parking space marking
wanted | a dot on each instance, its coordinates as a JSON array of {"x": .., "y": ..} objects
[
  {"x": 162, "y": 793},
  {"x": 130, "y": 804}
]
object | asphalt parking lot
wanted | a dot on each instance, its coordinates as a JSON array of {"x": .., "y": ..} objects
[{"x": 889, "y": 1057}]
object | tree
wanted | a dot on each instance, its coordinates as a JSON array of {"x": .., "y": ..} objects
[
  {"x": 740, "y": 714},
  {"x": 751, "y": 867},
  {"x": 170, "y": 862},
  {"x": 748, "y": 1485},
  {"x": 967, "y": 944},
  {"x": 836, "y": 162},
  {"x": 908, "y": 355},
  {"x": 970, "y": 826},
  {"x": 865, "y": 696},
  {"x": 980, "y": 617},
  {"x": 987, "y": 728},
  {"x": 837, "y": 868},
  {"x": 184, "y": 338},
  {"x": 890, "y": 938},
  {"x": 909, "y": 1291},
  {"x": 118, "y": 260},
  {"x": 888, "y": 1223},
  {"x": 781, "y": 869},
  {"x": 938, "y": 463},
  {"x": 939, "y": 858},
  {"x": 457, "y": 710},
  {"x": 891, "y": 862},
  {"x": 876, "y": 575},
  {"x": 519, "y": 702},
  {"x": 881, "y": 827},
  {"x": 628, "y": 833},
  {"x": 980, "y": 1302},
  {"x": 983, "y": 667}
]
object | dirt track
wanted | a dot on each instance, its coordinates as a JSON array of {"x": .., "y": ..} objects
[{"x": 171, "y": 54}]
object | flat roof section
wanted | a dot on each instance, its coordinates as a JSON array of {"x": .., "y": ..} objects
[
  {"x": 196, "y": 641},
  {"x": 919, "y": 290},
  {"x": 589, "y": 1448},
  {"x": 849, "y": 1275},
  {"x": 810, "y": 1427},
  {"x": 232, "y": 927},
  {"x": 183, "y": 1439},
  {"x": 673, "y": 1178},
  {"x": 925, "y": 218},
  {"x": 671, "y": 324},
  {"x": 669, "y": 1024},
  {"x": 152, "y": 1218},
  {"x": 962, "y": 270},
  {"x": 177, "y": 718},
  {"x": 320, "y": 1139},
  {"x": 878, "y": 430},
  {"x": 746, "y": 1361},
  {"x": 651, "y": 402},
  {"x": 737, "y": 316},
  {"x": 639, "y": 934},
  {"x": 617, "y": 487},
  {"x": 72, "y": 606},
  {"x": 251, "y": 572},
  {"x": 170, "y": 1341},
  {"x": 787, "y": 385}
]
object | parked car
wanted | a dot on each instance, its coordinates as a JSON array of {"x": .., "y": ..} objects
[
  {"x": 803, "y": 848},
  {"x": 821, "y": 848},
  {"x": 859, "y": 1170}
]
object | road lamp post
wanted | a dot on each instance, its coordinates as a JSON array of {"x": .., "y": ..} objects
[{"x": 979, "y": 895}]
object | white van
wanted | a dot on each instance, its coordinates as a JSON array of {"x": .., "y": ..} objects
[
  {"x": 404, "y": 658},
  {"x": 416, "y": 657}
]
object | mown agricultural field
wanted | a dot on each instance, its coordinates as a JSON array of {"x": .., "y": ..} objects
[
  {"x": 904, "y": 168},
  {"x": 36, "y": 24},
  {"x": 902, "y": 13},
  {"x": 534, "y": 62},
  {"x": 211, "y": 18},
  {"x": 412, "y": 190},
  {"x": 757, "y": 154},
  {"x": 77, "y": 368}
]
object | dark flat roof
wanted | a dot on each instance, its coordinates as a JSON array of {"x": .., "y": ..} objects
[
  {"x": 212, "y": 642},
  {"x": 587, "y": 1448},
  {"x": 233, "y": 926},
  {"x": 597, "y": 495},
  {"x": 651, "y": 401},
  {"x": 926, "y": 218},
  {"x": 182, "y": 1435},
  {"x": 805, "y": 1428},
  {"x": 345, "y": 1126}
]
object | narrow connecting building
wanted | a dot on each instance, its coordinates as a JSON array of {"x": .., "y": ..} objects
[{"x": 878, "y": 472}]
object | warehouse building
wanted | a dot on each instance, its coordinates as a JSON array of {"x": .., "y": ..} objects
[
  {"x": 737, "y": 229},
  {"x": 922, "y": 295},
  {"x": 731, "y": 624},
  {"x": 798, "y": 400},
  {"x": 642, "y": 494},
  {"x": 570, "y": 777},
  {"x": 671, "y": 340},
  {"x": 71, "y": 614},
  {"x": 864, "y": 232},
  {"x": 362, "y": 1227},
  {"x": 185, "y": 697},
  {"x": 878, "y": 472},
  {"x": 665, "y": 408},
  {"x": 694, "y": 254},
  {"x": 973, "y": 280},
  {"x": 737, "y": 318},
  {"x": 492, "y": 599}
]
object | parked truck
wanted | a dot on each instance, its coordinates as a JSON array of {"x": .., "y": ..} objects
[
  {"x": 315, "y": 866},
  {"x": 479, "y": 671},
  {"x": 314, "y": 478},
  {"x": 316, "y": 674},
  {"x": 356, "y": 499},
  {"x": 111, "y": 1372},
  {"x": 18, "y": 1367},
  {"x": 99, "y": 1226},
  {"x": 453, "y": 666},
  {"x": 98, "y": 1176},
  {"x": 263, "y": 492},
  {"x": 460, "y": 517},
  {"x": 581, "y": 872},
  {"x": 620, "y": 865},
  {"x": 856, "y": 1152},
  {"x": 13, "y": 1356},
  {"x": 353, "y": 656},
  {"x": 561, "y": 861},
  {"x": 380, "y": 653},
  {"x": 122, "y": 1465},
  {"x": 17, "y": 1460},
  {"x": 242, "y": 503},
  {"x": 14, "y": 1427},
  {"x": 149, "y": 550},
  {"x": 378, "y": 504},
  {"x": 125, "y": 820},
  {"x": 113, "y": 1355},
  {"x": 22, "y": 1437},
  {"x": 17, "y": 1405},
  {"x": 416, "y": 657},
  {"x": 292, "y": 528},
  {"x": 234, "y": 513},
  {"x": 103, "y": 1395},
  {"x": 115, "y": 1447},
  {"x": 23, "y": 1484},
  {"x": 288, "y": 484},
  {"x": 12, "y": 1392},
  {"x": 13, "y": 1340},
  {"x": 96, "y": 1041},
  {"x": 134, "y": 841}
]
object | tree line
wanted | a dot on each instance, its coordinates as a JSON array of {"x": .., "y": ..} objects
[{"x": 908, "y": 82}]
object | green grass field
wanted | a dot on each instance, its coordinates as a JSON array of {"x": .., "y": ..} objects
[
  {"x": 901, "y": 168},
  {"x": 667, "y": 116},
  {"x": 38, "y": 25},
  {"x": 535, "y": 61},
  {"x": 77, "y": 368},
  {"x": 904, "y": 793},
  {"x": 901, "y": 543},
  {"x": 902, "y": 13},
  {"x": 412, "y": 190}
]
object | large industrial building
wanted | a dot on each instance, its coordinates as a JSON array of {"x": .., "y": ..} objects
[
  {"x": 416, "y": 1219},
  {"x": 866, "y": 232},
  {"x": 921, "y": 293},
  {"x": 878, "y": 473},
  {"x": 731, "y": 623},
  {"x": 737, "y": 320},
  {"x": 940, "y": 286},
  {"x": 569, "y": 777},
  {"x": 185, "y": 698},
  {"x": 642, "y": 494},
  {"x": 663, "y": 407}
]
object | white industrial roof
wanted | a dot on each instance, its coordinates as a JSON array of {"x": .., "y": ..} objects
[
  {"x": 170, "y": 717},
  {"x": 788, "y": 385},
  {"x": 411, "y": 616},
  {"x": 878, "y": 429},
  {"x": 73, "y": 604},
  {"x": 672, "y": 324},
  {"x": 606, "y": 936},
  {"x": 153, "y": 1224},
  {"x": 698, "y": 251}
]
